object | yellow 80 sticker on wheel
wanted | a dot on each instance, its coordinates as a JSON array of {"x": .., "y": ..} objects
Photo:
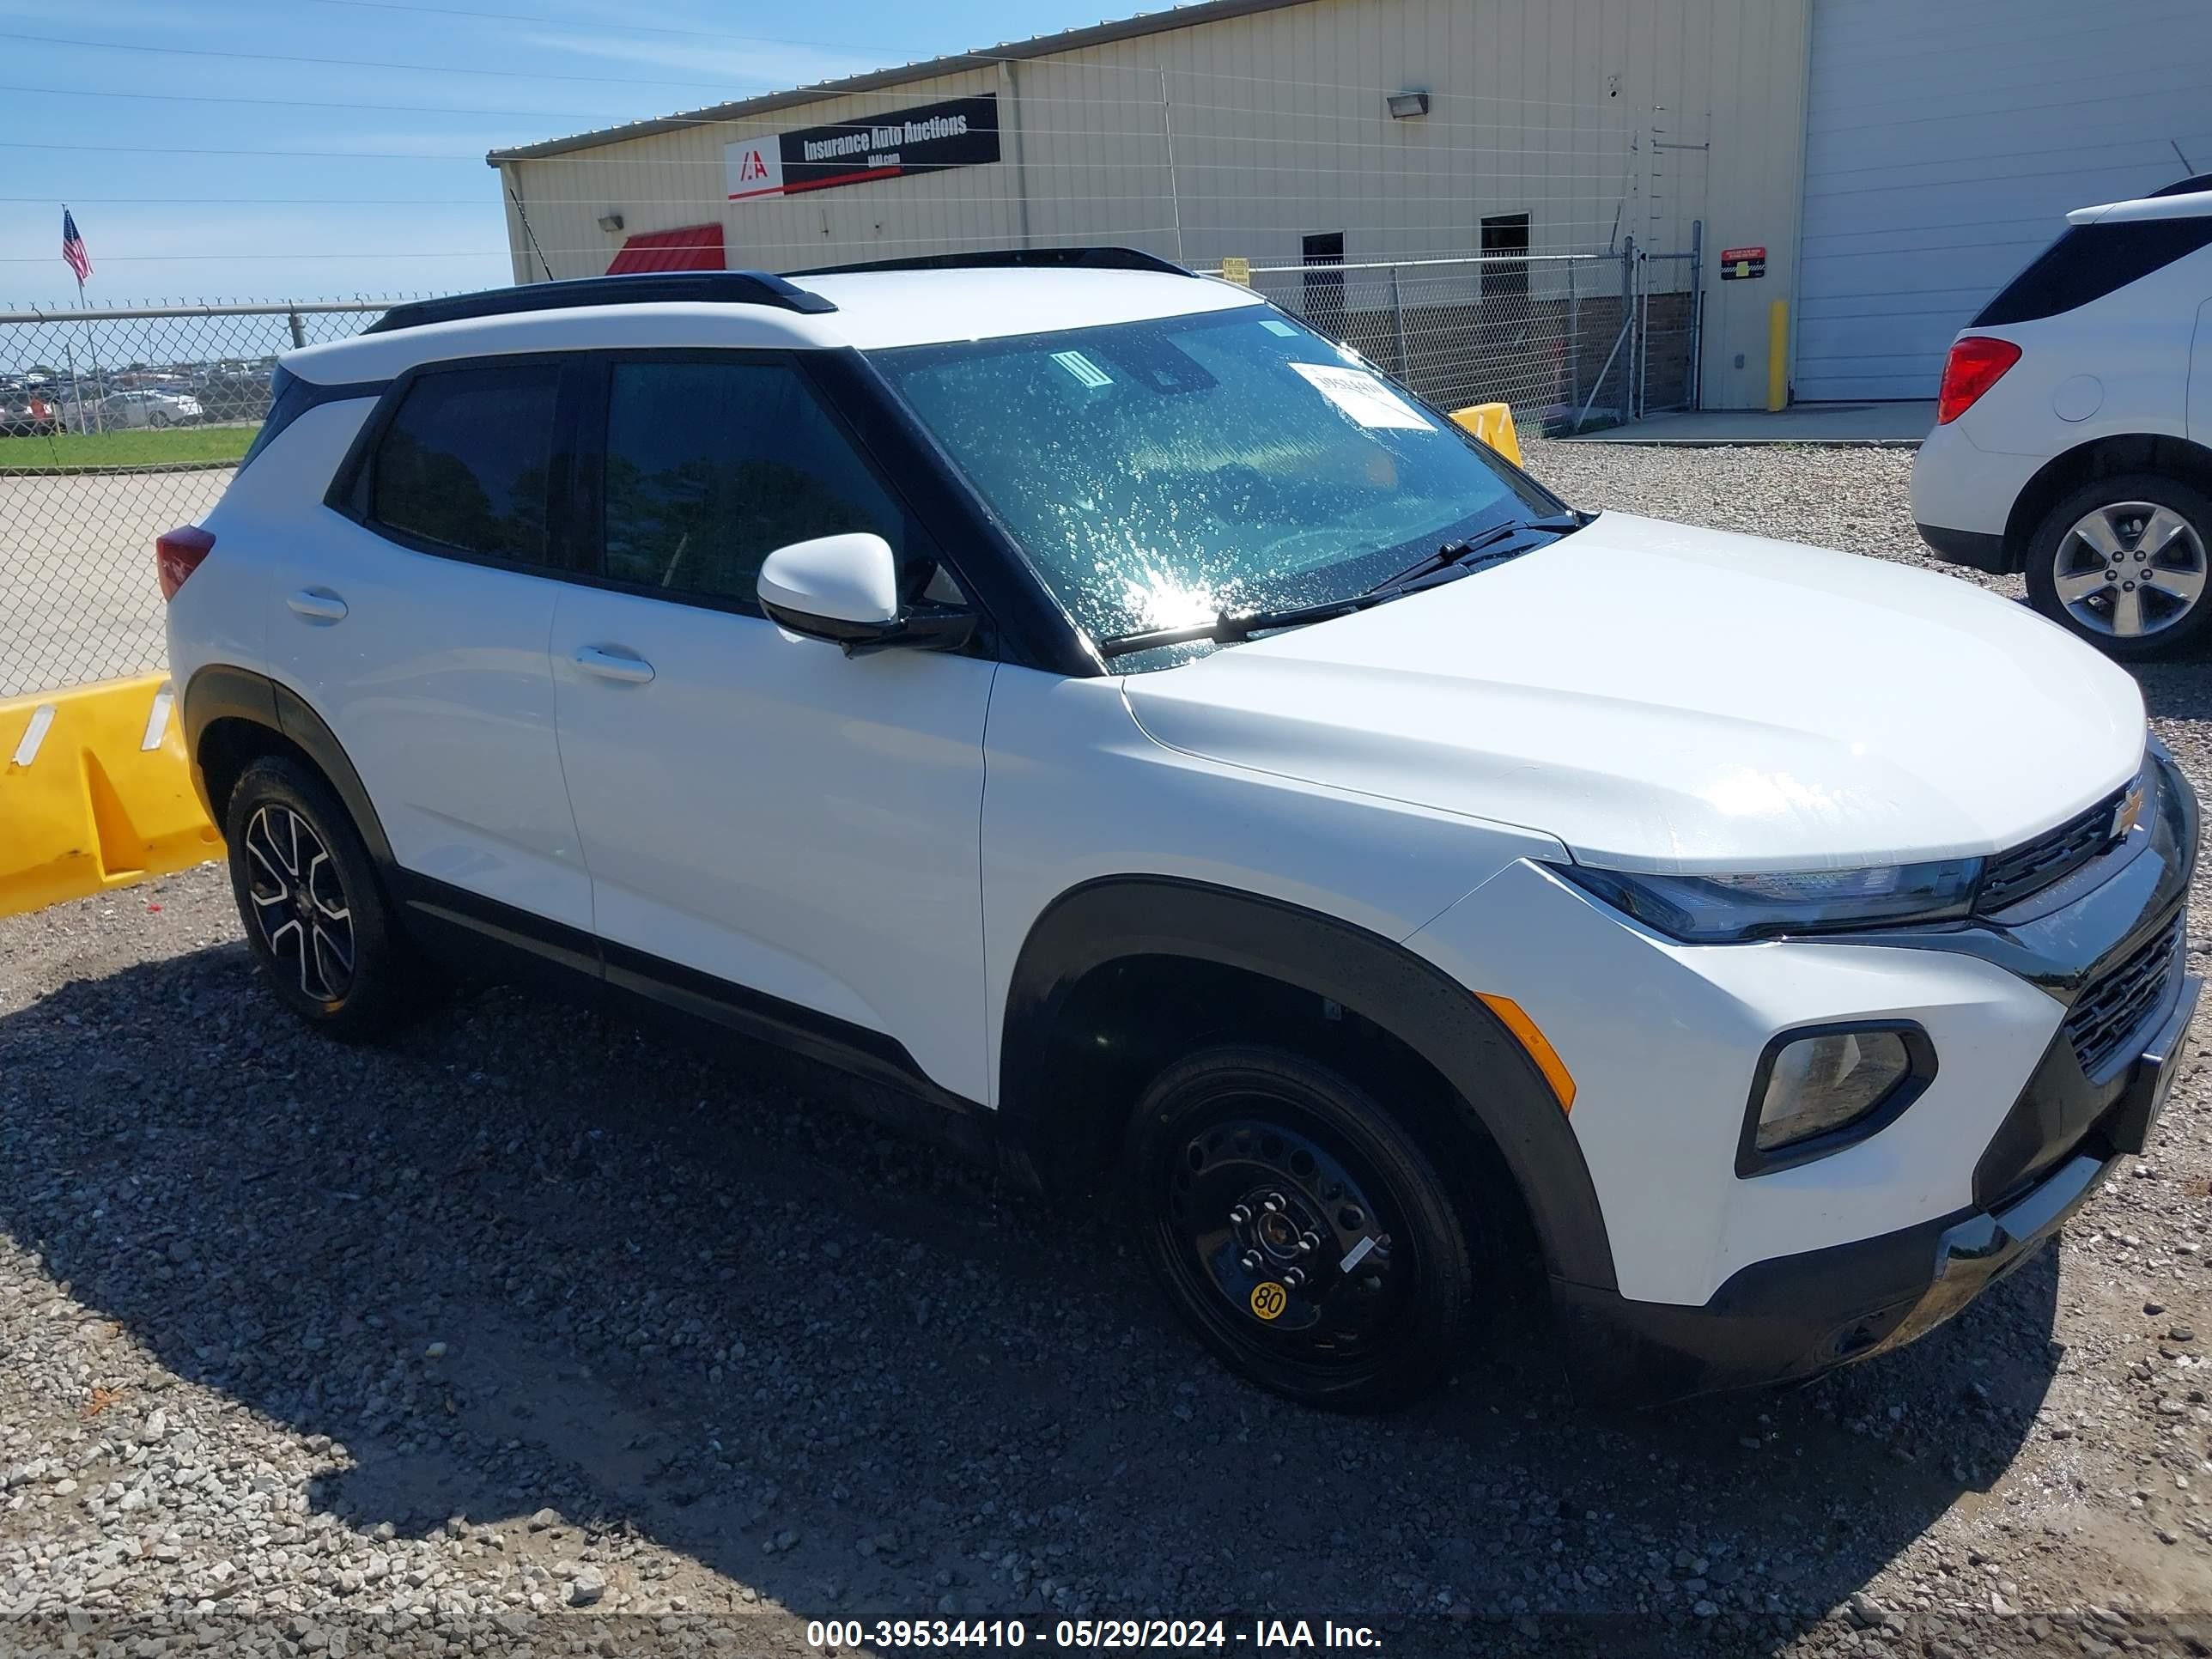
[{"x": 1269, "y": 1299}]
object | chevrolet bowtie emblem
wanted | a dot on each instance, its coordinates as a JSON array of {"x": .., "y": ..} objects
[{"x": 2128, "y": 812}]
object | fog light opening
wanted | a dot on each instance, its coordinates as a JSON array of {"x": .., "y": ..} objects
[{"x": 1820, "y": 1088}]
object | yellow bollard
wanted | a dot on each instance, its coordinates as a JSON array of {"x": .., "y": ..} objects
[
  {"x": 1778, "y": 356},
  {"x": 1493, "y": 424}
]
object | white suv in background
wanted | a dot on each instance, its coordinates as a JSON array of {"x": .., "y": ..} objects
[
  {"x": 1186, "y": 768},
  {"x": 2073, "y": 430}
]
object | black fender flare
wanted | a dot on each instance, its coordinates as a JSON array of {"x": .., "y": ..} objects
[
  {"x": 219, "y": 692},
  {"x": 1103, "y": 920}
]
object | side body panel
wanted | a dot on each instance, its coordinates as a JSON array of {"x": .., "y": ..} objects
[
  {"x": 436, "y": 683},
  {"x": 2116, "y": 367},
  {"x": 221, "y": 614},
  {"x": 771, "y": 812},
  {"x": 2200, "y": 373}
]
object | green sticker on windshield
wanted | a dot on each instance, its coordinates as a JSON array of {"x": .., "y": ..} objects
[
  {"x": 1083, "y": 369},
  {"x": 1275, "y": 326}
]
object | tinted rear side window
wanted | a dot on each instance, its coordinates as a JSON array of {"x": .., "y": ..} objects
[
  {"x": 290, "y": 397},
  {"x": 710, "y": 467},
  {"x": 2090, "y": 261},
  {"x": 466, "y": 460}
]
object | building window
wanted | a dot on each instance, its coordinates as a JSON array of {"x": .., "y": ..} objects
[
  {"x": 1324, "y": 288},
  {"x": 1505, "y": 234}
]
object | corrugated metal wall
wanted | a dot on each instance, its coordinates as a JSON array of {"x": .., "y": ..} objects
[{"x": 1599, "y": 118}]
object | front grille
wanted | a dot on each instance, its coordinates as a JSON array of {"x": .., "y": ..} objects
[
  {"x": 2033, "y": 866},
  {"x": 2115, "y": 1008}
]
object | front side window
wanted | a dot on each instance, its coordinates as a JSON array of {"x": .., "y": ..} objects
[
  {"x": 465, "y": 461},
  {"x": 1159, "y": 473},
  {"x": 712, "y": 466}
]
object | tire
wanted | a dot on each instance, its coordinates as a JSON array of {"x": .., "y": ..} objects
[
  {"x": 158, "y": 418},
  {"x": 2083, "y": 559},
  {"x": 314, "y": 913},
  {"x": 1223, "y": 1133}
]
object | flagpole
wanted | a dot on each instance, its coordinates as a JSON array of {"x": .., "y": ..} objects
[{"x": 91, "y": 345}]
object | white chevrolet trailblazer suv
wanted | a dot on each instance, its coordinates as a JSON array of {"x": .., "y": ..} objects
[
  {"x": 2074, "y": 432},
  {"x": 1191, "y": 772}
]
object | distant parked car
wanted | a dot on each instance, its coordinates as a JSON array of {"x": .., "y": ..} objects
[
  {"x": 28, "y": 414},
  {"x": 2074, "y": 435},
  {"x": 233, "y": 394},
  {"x": 121, "y": 409}
]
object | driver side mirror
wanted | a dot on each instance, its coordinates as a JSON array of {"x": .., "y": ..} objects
[{"x": 844, "y": 589}]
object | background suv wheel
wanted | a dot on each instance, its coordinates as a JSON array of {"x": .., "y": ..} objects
[
  {"x": 2123, "y": 562},
  {"x": 1299, "y": 1229},
  {"x": 314, "y": 911}
]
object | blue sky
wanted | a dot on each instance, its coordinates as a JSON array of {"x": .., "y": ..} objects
[{"x": 208, "y": 169}]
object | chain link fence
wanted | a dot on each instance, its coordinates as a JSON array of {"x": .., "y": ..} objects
[
  {"x": 1567, "y": 339},
  {"x": 116, "y": 425}
]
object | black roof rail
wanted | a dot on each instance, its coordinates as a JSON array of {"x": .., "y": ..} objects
[
  {"x": 1048, "y": 258},
  {"x": 736, "y": 288}
]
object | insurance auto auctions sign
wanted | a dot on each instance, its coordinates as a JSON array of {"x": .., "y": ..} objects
[{"x": 962, "y": 132}]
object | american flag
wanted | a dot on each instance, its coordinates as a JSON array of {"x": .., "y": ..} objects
[{"x": 73, "y": 248}]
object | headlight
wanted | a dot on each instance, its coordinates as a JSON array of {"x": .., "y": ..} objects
[
  {"x": 1817, "y": 1092},
  {"x": 1717, "y": 909}
]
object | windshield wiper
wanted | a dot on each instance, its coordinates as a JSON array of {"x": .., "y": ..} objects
[
  {"x": 1227, "y": 629},
  {"x": 1465, "y": 552}
]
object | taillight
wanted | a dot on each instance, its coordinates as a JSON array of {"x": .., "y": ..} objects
[
  {"x": 1976, "y": 363},
  {"x": 177, "y": 554}
]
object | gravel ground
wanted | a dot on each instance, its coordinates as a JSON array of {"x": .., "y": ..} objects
[{"x": 538, "y": 1332}]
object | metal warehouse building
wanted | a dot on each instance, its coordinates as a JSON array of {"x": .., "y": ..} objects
[{"x": 1526, "y": 199}]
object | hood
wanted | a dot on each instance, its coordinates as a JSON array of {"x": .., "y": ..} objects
[{"x": 1662, "y": 698}]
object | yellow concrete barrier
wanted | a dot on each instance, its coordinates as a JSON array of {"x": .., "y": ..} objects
[
  {"x": 1493, "y": 424},
  {"x": 94, "y": 792}
]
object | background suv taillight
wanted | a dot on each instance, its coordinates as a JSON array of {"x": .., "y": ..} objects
[
  {"x": 1976, "y": 363},
  {"x": 177, "y": 554}
]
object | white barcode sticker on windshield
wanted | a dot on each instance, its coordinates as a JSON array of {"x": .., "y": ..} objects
[
  {"x": 1276, "y": 325},
  {"x": 1363, "y": 396},
  {"x": 1083, "y": 369}
]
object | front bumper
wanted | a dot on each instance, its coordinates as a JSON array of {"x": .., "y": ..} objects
[
  {"x": 2114, "y": 929},
  {"x": 1795, "y": 1317}
]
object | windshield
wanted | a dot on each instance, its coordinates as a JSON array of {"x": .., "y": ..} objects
[{"x": 1158, "y": 473}]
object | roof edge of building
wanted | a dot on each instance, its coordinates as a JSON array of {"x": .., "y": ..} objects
[{"x": 1042, "y": 46}]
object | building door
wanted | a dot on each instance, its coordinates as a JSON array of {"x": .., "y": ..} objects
[
  {"x": 1945, "y": 145},
  {"x": 1323, "y": 304}
]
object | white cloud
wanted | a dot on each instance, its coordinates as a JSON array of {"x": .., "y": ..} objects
[{"x": 752, "y": 66}]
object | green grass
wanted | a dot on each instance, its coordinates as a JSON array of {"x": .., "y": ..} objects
[{"x": 141, "y": 447}]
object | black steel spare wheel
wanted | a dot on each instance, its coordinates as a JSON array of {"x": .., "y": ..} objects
[{"x": 1301, "y": 1228}]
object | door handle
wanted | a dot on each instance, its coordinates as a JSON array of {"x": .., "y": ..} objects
[
  {"x": 317, "y": 605},
  {"x": 615, "y": 665}
]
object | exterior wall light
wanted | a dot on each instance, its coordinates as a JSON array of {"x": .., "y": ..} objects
[{"x": 1405, "y": 106}]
